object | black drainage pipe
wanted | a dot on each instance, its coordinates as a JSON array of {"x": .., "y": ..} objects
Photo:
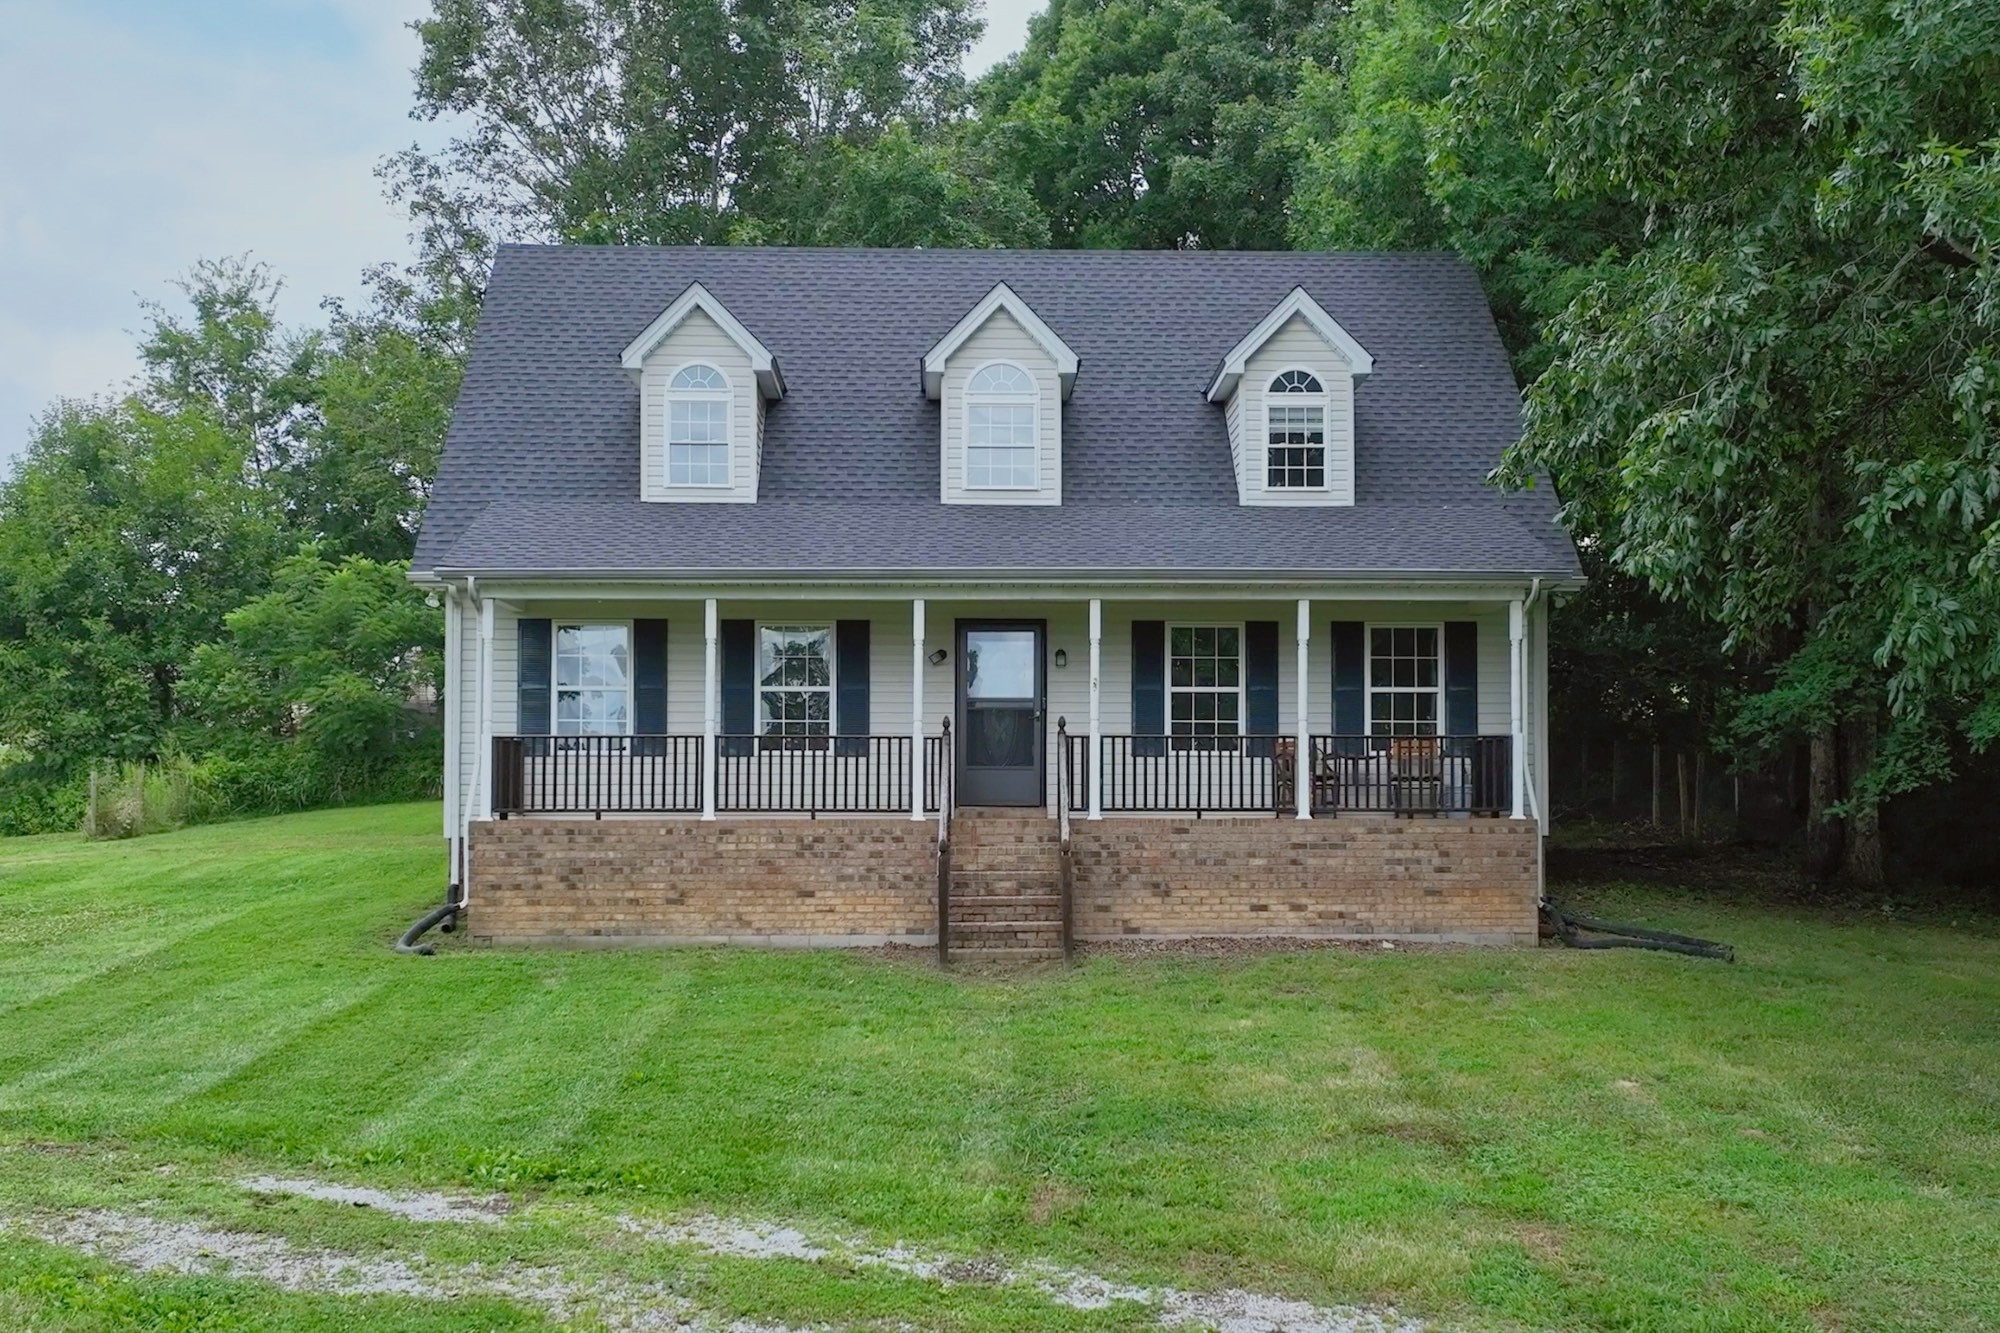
[
  {"x": 408, "y": 943},
  {"x": 1569, "y": 928}
]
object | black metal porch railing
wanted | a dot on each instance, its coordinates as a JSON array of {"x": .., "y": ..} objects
[
  {"x": 1413, "y": 775},
  {"x": 596, "y": 775},
  {"x": 1259, "y": 774},
  {"x": 599, "y": 775},
  {"x": 824, "y": 774},
  {"x": 1182, "y": 774}
]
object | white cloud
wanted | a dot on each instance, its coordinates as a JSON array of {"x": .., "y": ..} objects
[
  {"x": 1006, "y": 32},
  {"x": 137, "y": 145},
  {"x": 141, "y": 137}
]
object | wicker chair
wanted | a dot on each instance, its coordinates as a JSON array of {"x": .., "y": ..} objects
[{"x": 1416, "y": 774}]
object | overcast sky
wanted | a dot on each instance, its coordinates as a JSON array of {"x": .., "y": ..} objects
[{"x": 141, "y": 136}]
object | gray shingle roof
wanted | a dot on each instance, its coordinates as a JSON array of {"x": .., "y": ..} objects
[{"x": 541, "y": 467}]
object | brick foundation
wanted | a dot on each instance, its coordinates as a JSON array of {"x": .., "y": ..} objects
[
  {"x": 1470, "y": 880},
  {"x": 869, "y": 881},
  {"x": 768, "y": 881}
]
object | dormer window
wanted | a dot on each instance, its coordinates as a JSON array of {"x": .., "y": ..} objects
[
  {"x": 1000, "y": 446},
  {"x": 1293, "y": 379},
  {"x": 698, "y": 427},
  {"x": 704, "y": 381},
  {"x": 1000, "y": 378},
  {"x": 1295, "y": 432}
]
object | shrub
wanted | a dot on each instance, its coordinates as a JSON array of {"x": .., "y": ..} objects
[{"x": 37, "y": 797}]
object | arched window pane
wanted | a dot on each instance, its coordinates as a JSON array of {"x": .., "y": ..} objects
[
  {"x": 700, "y": 377},
  {"x": 1001, "y": 379},
  {"x": 1295, "y": 381}
]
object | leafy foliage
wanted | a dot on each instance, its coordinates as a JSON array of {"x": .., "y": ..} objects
[
  {"x": 665, "y": 121},
  {"x": 1154, "y": 123}
]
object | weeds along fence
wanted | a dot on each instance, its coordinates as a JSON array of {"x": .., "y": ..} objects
[{"x": 129, "y": 799}]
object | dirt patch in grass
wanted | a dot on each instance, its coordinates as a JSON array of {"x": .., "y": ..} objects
[
  {"x": 147, "y": 1244},
  {"x": 424, "y": 1206}
]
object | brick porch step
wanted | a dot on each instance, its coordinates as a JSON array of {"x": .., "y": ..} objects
[
  {"x": 1008, "y": 954},
  {"x": 1004, "y": 934},
  {"x": 1025, "y": 907}
]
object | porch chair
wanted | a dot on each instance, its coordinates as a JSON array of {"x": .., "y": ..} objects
[{"x": 1416, "y": 774}]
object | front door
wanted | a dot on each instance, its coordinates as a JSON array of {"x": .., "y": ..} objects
[{"x": 1001, "y": 685}]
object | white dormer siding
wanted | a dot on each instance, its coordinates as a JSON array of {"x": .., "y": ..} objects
[
  {"x": 1001, "y": 342},
  {"x": 699, "y": 341},
  {"x": 1294, "y": 347},
  {"x": 703, "y": 378},
  {"x": 1297, "y": 346},
  {"x": 999, "y": 369}
]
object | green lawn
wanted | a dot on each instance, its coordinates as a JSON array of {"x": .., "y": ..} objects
[{"x": 1809, "y": 1139}]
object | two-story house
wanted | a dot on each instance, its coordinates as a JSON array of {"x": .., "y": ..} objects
[{"x": 849, "y": 596}]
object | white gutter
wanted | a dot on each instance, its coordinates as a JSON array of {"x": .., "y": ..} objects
[{"x": 1527, "y": 612}]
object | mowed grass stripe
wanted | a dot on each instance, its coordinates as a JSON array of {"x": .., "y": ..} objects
[{"x": 1539, "y": 1138}]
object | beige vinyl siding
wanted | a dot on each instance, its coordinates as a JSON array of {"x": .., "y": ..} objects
[
  {"x": 1001, "y": 338},
  {"x": 1232, "y": 414},
  {"x": 1296, "y": 345},
  {"x": 699, "y": 338},
  {"x": 1068, "y": 687},
  {"x": 462, "y": 704}
]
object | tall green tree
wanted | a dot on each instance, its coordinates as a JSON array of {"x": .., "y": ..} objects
[
  {"x": 661, "y": 121},
  {"x": 1382, "y": 164},
  {"x": 126, "y": 537},
  {"x": 332, "y": 658},
  {"x": 1155, "y": 124},
  {"x": 1780, "y": 410}
]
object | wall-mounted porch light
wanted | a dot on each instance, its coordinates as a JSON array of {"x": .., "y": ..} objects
[
  {"x": 937, "y": 657},
  {"x": 1062, "y": 659}
]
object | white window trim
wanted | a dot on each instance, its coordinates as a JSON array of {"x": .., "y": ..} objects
[
  {"x": 726, "y": 395},
  {"x": 556, "y": 627},
  {"x": 832, "y": 629},
  {"x": 1322, "y": 400},
  {"x": 1368, "y": 672},
  {"x": 1242, "y": 674},
  {"x": 1033, "y": 400}
]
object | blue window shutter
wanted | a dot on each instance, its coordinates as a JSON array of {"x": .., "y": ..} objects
[
  {"x": 1260, "y": 683},
  {"x": 1461, "y": 678},
  {"x": 850, "y": 712},
  {"x": 649, "y": 677},
  {"x": 532, "y": 671},
  {"x": 1149, "y": 684},
  {"x": 1350, "y": 682},
  {"x": 738, "y": 650}
]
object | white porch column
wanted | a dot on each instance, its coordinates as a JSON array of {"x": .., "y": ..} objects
[
  {"x": 919, "y": 768},
  {"x": 454, "y": 720},
  {"x": 482, "y": 796},
  {"x": 1095, "y": 777},
  {"x": 711, "y": 703},
  {"x": 1302, "y": 760},
  {"x": 1517, "y": 699}
]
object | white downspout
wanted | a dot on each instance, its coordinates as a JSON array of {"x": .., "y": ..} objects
[
  {"x": 1527, "y": 609},
  {"x": 454, "y": 675},
  {"x": 1096, "y": 778},
  {"x": 1516, "y": 702},
  {"x": 710, "y": 706},
  {"x": 919, "y": 765},
  {"x": 1302, "y": 756}
]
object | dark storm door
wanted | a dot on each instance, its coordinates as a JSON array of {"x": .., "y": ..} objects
[{"x": 1001, "y": 683}]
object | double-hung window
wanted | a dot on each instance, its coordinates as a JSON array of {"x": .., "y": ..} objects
[
  {"x": 1204, "y": 684},
  {"x": 1000, "y": 445},
  {"x": 698, "y": 427},
  {"x": 1404, "y": 679},
  {"x": 1295, "y": 423},
  {"x": 795, "y": 682},
  {"x": 593, "y": 680}
]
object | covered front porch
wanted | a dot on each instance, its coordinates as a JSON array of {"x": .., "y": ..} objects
[{"x": 1147, "y": 702}]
